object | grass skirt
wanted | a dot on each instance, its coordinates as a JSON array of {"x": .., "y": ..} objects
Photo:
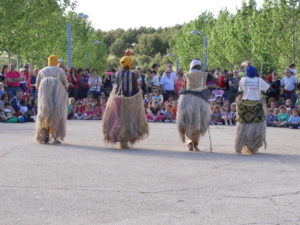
[
  {"x": 193, "y": 115},
  {"x": 251, "y": 136},
  {"x": 251, "y": 127},
  {"x": 124, "y": 119},
  {"x": 52, "y": 110}
]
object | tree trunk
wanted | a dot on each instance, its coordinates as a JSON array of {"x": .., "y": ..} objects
[{"x": 8, "y": 54}]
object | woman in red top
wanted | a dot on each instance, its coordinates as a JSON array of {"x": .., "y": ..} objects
[
  {"x": 178, "y": 82},
  {"x": 73, "y": 83}
]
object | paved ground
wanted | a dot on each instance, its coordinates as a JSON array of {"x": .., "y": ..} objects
[{"x": 85, "y": 182}]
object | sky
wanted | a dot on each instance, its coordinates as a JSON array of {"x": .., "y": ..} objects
[{"x": 112, "y": 14}]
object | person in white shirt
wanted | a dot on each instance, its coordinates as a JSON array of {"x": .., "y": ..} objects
[
  {"x": 155, "y": 79},
  {"x": 95, "y": 83},
  {"x": 167, "y": 85},
  {"x": 289, "y": 84},
  {"x": 251, "y": 125},
  {"x": 293, "y": 70},
  {"x": 169, "y": 68}
]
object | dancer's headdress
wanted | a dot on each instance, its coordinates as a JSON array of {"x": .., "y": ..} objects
[
  {"x": 195, "y": 62},
  {"x": 52, "y": 60},
  {"x": 127, "y": 60}
]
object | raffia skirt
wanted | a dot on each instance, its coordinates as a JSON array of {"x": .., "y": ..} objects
[
  {"x": 193, "y": 115},
  {"x": 52, "y": 109},
  {"x": 124, "y": 119}
]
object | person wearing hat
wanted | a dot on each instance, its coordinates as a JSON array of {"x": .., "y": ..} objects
[
  {"x": 193, "y": 113},
  {"x": 124, "y": 120},
  {"x": 52, "y": 85},
  {"x": 251, "y": 125}
]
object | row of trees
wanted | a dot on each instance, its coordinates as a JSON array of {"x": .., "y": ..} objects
[
  {"x": 150, "y": 45},
  {"x": 268, "y": 36},
  {"x": 31, "y": 30}
]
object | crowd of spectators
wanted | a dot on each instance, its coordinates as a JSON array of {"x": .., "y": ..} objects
[{"x": 88, "y": 93}]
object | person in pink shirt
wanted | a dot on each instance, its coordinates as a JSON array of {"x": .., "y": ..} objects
[
  {"x": 13, "y": 78},
  {"x": 178, "y": 82}
]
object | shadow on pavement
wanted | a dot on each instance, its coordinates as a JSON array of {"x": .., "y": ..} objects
[{"x": 184, "y": 154}]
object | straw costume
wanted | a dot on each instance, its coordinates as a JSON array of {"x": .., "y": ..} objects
[
  {"x": 124, "y": 119},
  {"x": 52, "y": 103},
  {"x": 251, "y": 125},
  {"x": 193, "y": 113}
]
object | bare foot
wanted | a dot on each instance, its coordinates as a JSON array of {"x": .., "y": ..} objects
[
  {"x": 196, "y": 149},
  {"x": 55, "y": 141},
  {"x": 247, "y": 151},
  {"x": 124, "y": 145}
]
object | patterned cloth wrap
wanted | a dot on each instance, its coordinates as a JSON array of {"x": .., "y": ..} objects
[
  {"x": 204, "y": 94},
  {"x": 250, "y": 111}
]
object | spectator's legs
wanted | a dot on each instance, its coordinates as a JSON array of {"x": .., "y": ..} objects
[
  {"x": 12, "y": 91},
  {"x": 165, "y": 96},
  {"x": 293, "y": 98}
]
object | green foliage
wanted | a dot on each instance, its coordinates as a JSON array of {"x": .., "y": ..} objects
[
  {"x": 34, "y": 29},
  {"x": 150, "y": 45},
  {"x": 267, "y": 36}
]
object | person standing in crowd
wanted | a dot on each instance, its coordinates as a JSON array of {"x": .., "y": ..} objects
[
  {"x": 155, "y": 79},
  {"x": 52, "y": 85},
  {"x": 107, "y": 82},
  {"x": 289, "y": 84},
  {"x": 149, "y": 83},
  {"x": 83, "y": 84},
  {"x": 169, "y": 67},
  {"x": 178, "y": 82},
  {"x": 167, "y": 85},
  {"x": 141, "y": 80},
  {"x": 31, "y": 82},
  {"x": 27, "y": 71},
  {"x": 275, "y": 87},
  {"x": 13, "y": 78},
  {"x": 3, "y": 71},
  {"x": 233, "y": 82},
  {"x": 124, "y": 119},
  {"x": 270, "y": 75},
  {"x": 95, "y": 84},
  {"x": 23, "y": 83},
  {"x": 73, "y": 83},
  {"x": 155, "y": 68},
  {"x": 193, "y": 113},
  {"x": 293, "y": 70},
  {"x": 251, "y": 125}
]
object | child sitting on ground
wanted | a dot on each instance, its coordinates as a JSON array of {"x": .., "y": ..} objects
[
  {"x": 79, "y": 111},
  {"x": 153, "y": 113},
  {"x": 270, "y": 118},
  {"x": 156, "y": 96},
  {"x": 169, "y": 115},
  {"x": 233, "y": 112},
  {"x": 226, "y": 115},
  {"x": 102, "y": 106},
  {"x": 174, "y": 108},
  {"x": 294, "y": 120},
  {"x": 283, "y": 117},
  {"x": 89, "y": 112},
  {"x": 216, "y": 116},
  {"x": 71, "y": 108}
]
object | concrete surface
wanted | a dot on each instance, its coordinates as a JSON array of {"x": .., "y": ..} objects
[{"x": 85, "y": 182}]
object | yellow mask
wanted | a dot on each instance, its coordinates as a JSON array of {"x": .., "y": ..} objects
[{"x": 53, "y": 60}]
